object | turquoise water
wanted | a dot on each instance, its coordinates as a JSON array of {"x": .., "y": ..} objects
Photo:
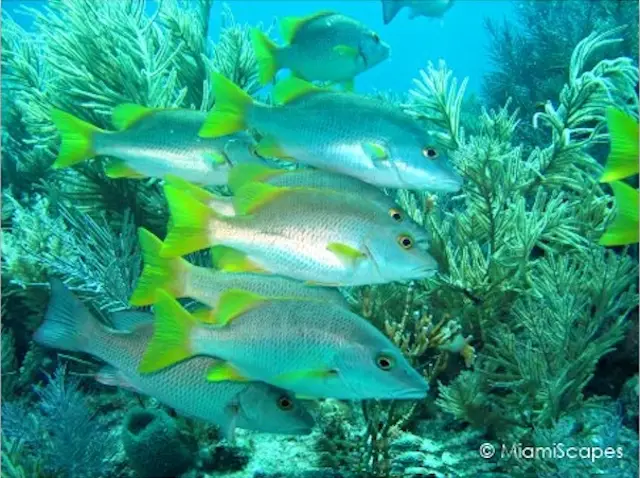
[{"x": 221, "y": 259}]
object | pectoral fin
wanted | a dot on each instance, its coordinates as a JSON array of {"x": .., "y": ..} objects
[
  {"x": 221, "y": 371},
  {"x": 347, "y": 254},
  {"x": 376, "y": 151},
  {"x": 346, "y": 50},
  {"x": 308, "y": 374},
  {"x": 216, "y": 158}
]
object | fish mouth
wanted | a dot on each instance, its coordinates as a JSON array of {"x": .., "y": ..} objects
[{"x": 411, "y": 393}]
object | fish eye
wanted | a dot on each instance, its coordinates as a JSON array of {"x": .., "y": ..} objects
[
  {"x": 395, "y": 214},
  {"x": 285, "y": 403},
  {"x": 430, "y": 152},
  {"x": 405, "y": 241},
  {"x": 385, "y": 362},
  {"x": 375, "y": 37}
]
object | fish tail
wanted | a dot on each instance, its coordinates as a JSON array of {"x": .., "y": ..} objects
[
  {"x": 266, "y": 55},
  {"x": 169, "y": 274},
  {"x": 68, "y": 324},
  {"x": 189, "y": 231},
  {"x": 624, "y": 228},
  {"x": 623, "y": 157},
  {"x": 390, "y": 9},
  {"x": 229, "y": 111},
  {"x": 77, "y": 139},
  {"x": 170, "y": 343}
]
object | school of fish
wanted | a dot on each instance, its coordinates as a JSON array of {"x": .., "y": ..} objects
[{"x": 272, "y": 328}]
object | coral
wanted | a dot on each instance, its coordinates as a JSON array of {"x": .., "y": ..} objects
[
  {"x": 223, "y": 457},
  {"x": 630, "y": 401},
  {"x": 60, "y": 436},
  {"x": 529, "y": 52},
  {"x": 9, "y": 364},
  {"x": 154, "y": 444}
]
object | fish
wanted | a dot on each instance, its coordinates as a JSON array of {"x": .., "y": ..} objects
[
  {"x": 419, "y": 8},
  {"x": 320, "y": 236},
  {"x": 337, "y": 131},
  {"x": 309, "y": 347},
  {"x": 182, "y": 279},
  {"x": 153, "y": 143},
  {"x": 622, "y": 162},
  {"x": 324, "y": 46},
  {"x": 69, "y": 325}
]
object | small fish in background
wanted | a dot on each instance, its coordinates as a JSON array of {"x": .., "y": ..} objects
[
  {"x": 182, "y": 279},
  {"x": 153, "y": 143},
  {"x": 418, "y": 8},
  {"x": 622, "y": 162},
  {"x": 68, "y": 325},
  {"x": 341, "y": 132},
  {"x": 310, "y": 347},
  {"x": 320, "y": 236},
  {"x": 325, "y": 46}
]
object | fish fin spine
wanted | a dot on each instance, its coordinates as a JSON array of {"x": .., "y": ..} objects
[{"x": 77, "y": 139}]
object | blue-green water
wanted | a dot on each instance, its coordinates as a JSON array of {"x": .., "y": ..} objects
[{"x": 225, "y": 258}]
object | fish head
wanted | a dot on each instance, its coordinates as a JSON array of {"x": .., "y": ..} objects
[
  {"x": 270, "y": 409},
  {"x": 396, "y": 254},
  {"x": 373, "y": 49},
  {"x": 420, "y": 163},
  {"x": 376, "y": 368}
]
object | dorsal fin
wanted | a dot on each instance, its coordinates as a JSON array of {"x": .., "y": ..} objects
[
  {"x": 250, "y": 173},
  {"x": 291, "y": 88},
  {"x": 127, "y": 114},
  {"x": 289, "y": 26},
  {"x": 255, "y": 195},
  {"x": 233, "y": 303}
]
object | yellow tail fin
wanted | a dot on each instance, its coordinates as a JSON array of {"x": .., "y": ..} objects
[
  {"x": 229, "y": 111},
  {"x": 190, "y": 223},
  {"x": 158, "y": 272},
  {"x": 623, "y": 157},
  {"x": 76, "y": 136},
  {"x": 266, "y": 52},
  {"x": 170, "y": 343},
  {"x": 624, "y": 228}
]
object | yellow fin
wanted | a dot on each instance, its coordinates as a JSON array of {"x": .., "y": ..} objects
[
  {"x": 268, "y": 147},
  {"x": 222, "y": 371},
  {"x": 233, "y": 303},
  {"x": 376, "y": 151},
  {"x": 349, "y": 85},
  {"x": 215, "y": 158},
  {"x": 158, "y": 272},
  {"x": 623, "y": 157},
  {"x": 229, "y": 111},
  {"x": 170, "y": 343},
  {"x": 126, "y": 114},
  {"x": 248, "y": 173},
  {"x": 201, "y": 194},
  {"x": 289, "y": 26},
  {"x": 255, "y": 195},
  {"x": 292, "y": 88},
  {"x": 228, "y": 259},
  {"x": 266, "y": 55},
  {"x": 117, "y": 168},
  {"x": 624, "y": 228},
  {"x": 346, "y": 253},
  {"x": 346, "y": 50},
  {"x": 190, "y": 223},
  {"x": 205, "y": 315},
  {"x": 76, "y": 139}
]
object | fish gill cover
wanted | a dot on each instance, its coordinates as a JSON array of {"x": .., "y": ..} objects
[{"x": 526, "y": 338}]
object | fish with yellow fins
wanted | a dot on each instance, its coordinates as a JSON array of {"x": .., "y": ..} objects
[
  {"x": 321, "y": 236},
  {"x": 325, "y": 46},
  {"x": 622, "y": 163},
  {"x": 69, "y": 325},
  {"x": 418, "y": 8},
  {"x": 310, "y": 347},
  {"x": 342, "y": 132},
  {"x": 182, "y": 279},
  {"x": 153, "y": 143}
]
